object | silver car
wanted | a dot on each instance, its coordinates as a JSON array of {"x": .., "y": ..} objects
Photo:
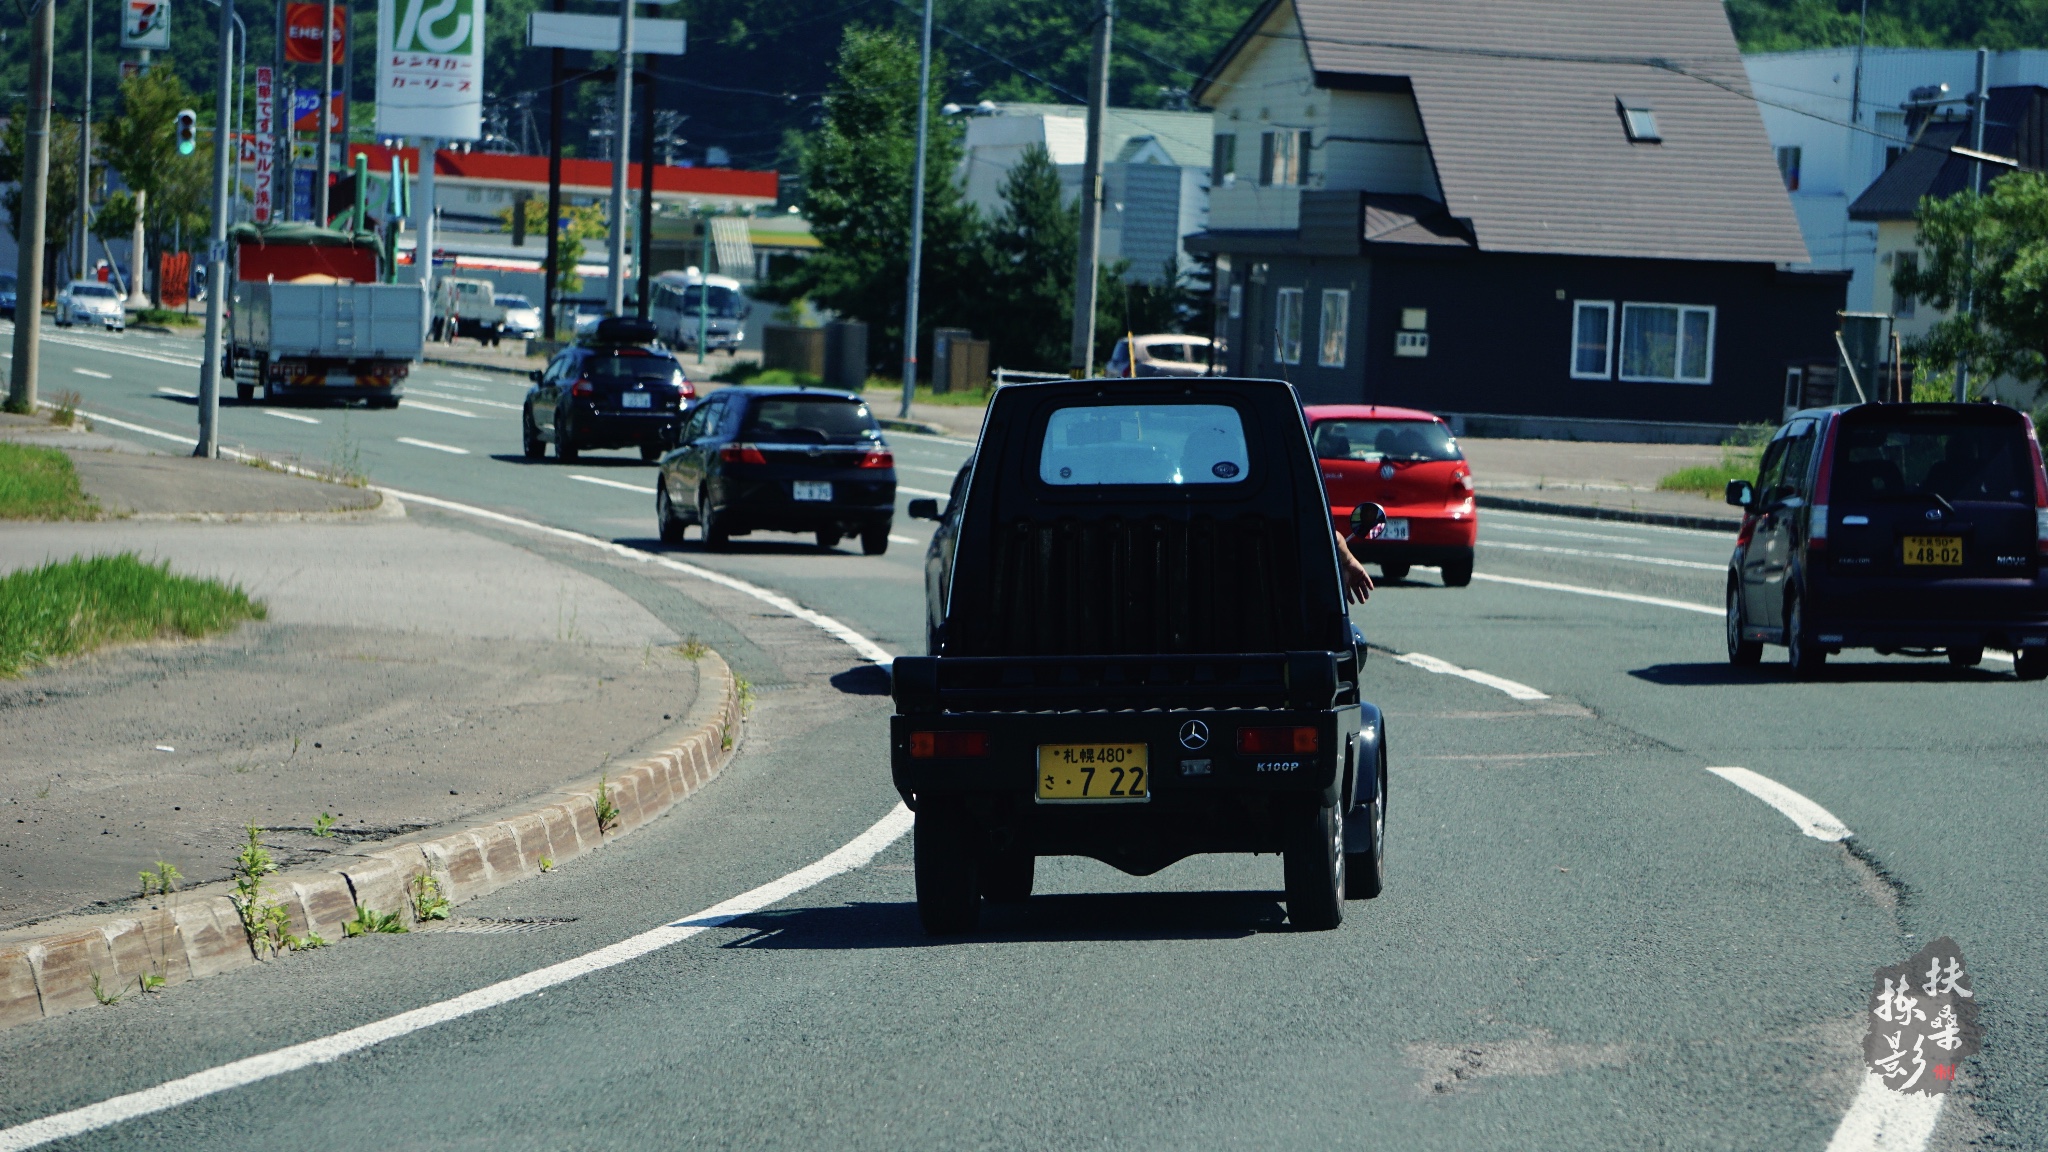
[{"x": 90, "y": 302}]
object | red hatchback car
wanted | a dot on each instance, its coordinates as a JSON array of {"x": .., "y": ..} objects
[{"x": 1408, "y": 463}]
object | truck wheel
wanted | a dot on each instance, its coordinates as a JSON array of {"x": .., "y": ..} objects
[
  {"x": 245, "y": 393},
  {"x": 1006, "y": 877},
  {"x": 1365, "y": 843},
  {"x": 1314, "y": 867},
  {"x": 665, "y": 517},
  {"x": 948, "y": 891}
]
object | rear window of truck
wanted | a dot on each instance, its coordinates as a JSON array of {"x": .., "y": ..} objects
[
  {"x": 1897, "y": 460},
  {"x": 1099, "y": 444}
]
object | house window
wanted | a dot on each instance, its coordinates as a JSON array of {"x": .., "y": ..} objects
[
  {"x": 1237, "y": 301},
  {"x": 1903, "y": 304},
  {"x": 1592, "y": 339},
  {"x": 1788, "y": 167},
  {"x": 1287, "y": 326},
  {"x": 1336, "y": 329},
  {"x": 1283, "y": 158},
  {"x": 1223, "y": 164},
  {"x": 1667, "y": 343},
  {"x": 1639, "y": 121}
]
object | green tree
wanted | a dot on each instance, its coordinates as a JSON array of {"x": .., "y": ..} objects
[
  {"x": 1784, "y": 25},
  {"x": 856, "y": 192},
  {"x": 141, "y": 146},
  {"x": 579, "y": 223},
  {"x": 1028, "y": 310},
  {"x": 1995, "y": 248},
  {"x": 61, "y": 206}
]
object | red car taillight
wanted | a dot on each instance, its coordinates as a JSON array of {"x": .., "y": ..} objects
[
  {"x": 581, "y": 388},
  {"x": 878, "y": 459},
  {"x": 1817, "y": 516},
  {"x": 741, "y": 454},
  {"x": 1462, "y": 482},
  {"x": 1264, "y": 741},
  {"x": 935, "y": 745},
  {"x": 2040, "y": 490}
]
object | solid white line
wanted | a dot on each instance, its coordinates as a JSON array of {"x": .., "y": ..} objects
[
  {"x": 449, "y": 448},
  {"x": 290, "y": 416},
  {"x": 1717, "y": 533},
  {"x": 1812, "y": 819},
  {"x": 96, "y": 346},
  {"x": 425, "y": 407},
  {"x": 1499, "y": 683},
  {"x": 254, "y": 1069},
  {"x": 1564, "y": 532},
  {"x": 93, "y": 374},
  {"x": 1631, "y": 597},
  {"x": 1883, "y": 1119},
  {"x": 1630, "y": 558},
  {"x": 612, "y": 483},
  {"x": 412, "y": 392},
  {"x": 901, "y": 490}
]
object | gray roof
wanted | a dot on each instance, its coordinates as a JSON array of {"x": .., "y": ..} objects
[
  {"x": 2015, "y": 125},
  {"x": 1186, "y": 136},
  {"x": 1519, "y": 103}
]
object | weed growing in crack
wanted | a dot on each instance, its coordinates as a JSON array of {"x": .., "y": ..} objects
[
  {"x": 150, "y": 981},
  {"x": 693, "y": 649},
  {"x": 324, "y": 826},
  {"x": 266, "y": 921},
  {"x": 744, "y": 689},
  {"x": 547, "y": 863},
  {"x": 162, "y": 881},
  {"x": 427, "y": 901},
  {"x": 369, "y": 921},
  {"x": 607, "y": 811},
  {"x": 109, "y": 999}
]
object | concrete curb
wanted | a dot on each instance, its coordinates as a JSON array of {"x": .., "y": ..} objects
[
  {"x": 198, "y": 933},
  {"x": 1630, "y": 515}
]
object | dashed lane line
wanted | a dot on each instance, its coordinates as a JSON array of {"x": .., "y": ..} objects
[
  {"x": 1587, "y": 553},
  {"x": 1883, "y": 1119},
  {"x": 853, "y": 854},
  {"x": 949, "y": 474},
  {"x": 291, "y": 416},
  {"x": 921, "y": 492},
  {"x": 448, "y": 448},
  {"x": 412, "y": 392},
  {"x": 621, "y": 484},
  {"x": 93, "y": 374},
  {"x": 426, "y": 407},
  {"x": 178, "y": 393},
  {"x": 1812, "y": 819},
  {"x": 1429, "y": 663},
  {"x": 1603, "y": 593}
]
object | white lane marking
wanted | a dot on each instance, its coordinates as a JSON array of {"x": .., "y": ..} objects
[
  {"x": 1513, "y": 688},
  {"x": 1882, "y": 1119},
  {"x": 180, "y": 393},
  {"x": 948, "y": 473},
  {"x": 865, "y": 648},
  {"x": 1553, "y": 518},
  {"x": 96, "y": 346},
  {"x": 425, "y": 407},
  {"x": 901, "y": 490},
  {"x": 468, "y": 376},
  {"x": 1564, "y": 532},
  {"x": 853, "y": 854},
  {"x": 612, "y": 483},
  {"x": 904, "y": 539},
  {"x": 1631, "y": 597},
  {"x": 448, "y": 448},
  {"x": 290, "y": 416},
  {"x": 1812, "y": 819},
  {"x": 93, "y": 374},
  {"x": 1590, "y": 554},
  {"x": 412, "y": 392}
]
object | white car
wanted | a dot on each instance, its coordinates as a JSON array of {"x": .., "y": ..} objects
[
  {"x": 522, "y": 319},
  {"x": 90, "y": 302}
]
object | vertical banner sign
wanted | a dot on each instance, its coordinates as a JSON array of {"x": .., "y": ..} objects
[
  {"x": 146, "y": 24},
  {"x": 266, "y": 155},
  {"x": 302, "y": 32},
  {"x": 430, "y": 68}
]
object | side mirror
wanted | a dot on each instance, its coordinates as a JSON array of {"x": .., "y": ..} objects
[
  {"x": 534, "y": 375},
  {"x": 1740, "y": 494},
  {"x": 1367, "y": 517},
  {"x": 924, "y": 508}
]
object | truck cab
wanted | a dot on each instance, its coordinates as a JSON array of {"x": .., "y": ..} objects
[{"x": 1141, "y": 652}]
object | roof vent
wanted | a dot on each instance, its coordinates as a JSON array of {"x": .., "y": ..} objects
[{"x": 1638, "y": 120}]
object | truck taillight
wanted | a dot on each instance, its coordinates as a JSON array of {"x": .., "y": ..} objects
[
  {"x": 741, "y": 454},
  {"x": 1281, "y": 741},
  {"x": 878, "y": 459},
  {"x": 947, "y": 745}
]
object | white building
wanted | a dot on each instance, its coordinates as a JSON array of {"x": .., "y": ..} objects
[
  {"x": 1155, "y": 173},
  {"x": 1809, "y": 101}
]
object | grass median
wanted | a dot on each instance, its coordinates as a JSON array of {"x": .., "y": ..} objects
[
  {"x": 40, "y": 484},
  {"x": 72, "y": 606},
  {"x": 1739, "y": 458}
]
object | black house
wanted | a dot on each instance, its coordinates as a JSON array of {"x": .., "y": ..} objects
[{"x": 1551, "y": 217}]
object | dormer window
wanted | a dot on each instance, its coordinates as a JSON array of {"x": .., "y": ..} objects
[{"x": 1639, "y": 120}]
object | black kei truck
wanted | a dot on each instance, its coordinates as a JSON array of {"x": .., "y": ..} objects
[{"x": 1144, "y": 653}]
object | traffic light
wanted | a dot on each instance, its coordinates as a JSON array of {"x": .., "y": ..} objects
[{"x": 187, "y": 131}]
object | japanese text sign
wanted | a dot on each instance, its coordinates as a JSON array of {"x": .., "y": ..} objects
[{"x": 430, "y": 63}]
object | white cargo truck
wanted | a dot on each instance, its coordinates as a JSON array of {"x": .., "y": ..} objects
[{"x": 310, "y": 320}]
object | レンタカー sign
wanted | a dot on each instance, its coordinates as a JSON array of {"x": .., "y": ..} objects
[
  {"x": 430, "y": 68},
  {"x": 146, "y": 24}
]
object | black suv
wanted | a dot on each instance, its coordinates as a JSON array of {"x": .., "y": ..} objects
[
  {"x": 1898, "y": 527},
  {"x": 617, "y": 389},
  {"x": 783, "y": 459}
]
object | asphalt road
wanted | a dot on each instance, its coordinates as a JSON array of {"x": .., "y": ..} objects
[{"x": 1588, "y": 940}]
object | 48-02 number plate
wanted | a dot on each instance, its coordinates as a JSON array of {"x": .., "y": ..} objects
[{"x": 1094, "y": 773}]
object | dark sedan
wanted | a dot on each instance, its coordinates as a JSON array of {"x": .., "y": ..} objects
[
  {"x": 780, "y": 460},
  {"x": 606, "y": 393}
]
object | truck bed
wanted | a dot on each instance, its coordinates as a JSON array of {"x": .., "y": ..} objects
[{"x": 345, "y": 321}]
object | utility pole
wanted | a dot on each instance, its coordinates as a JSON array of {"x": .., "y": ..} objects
[
  {"x": 325, "y": 167},
  {"x": 35, "y": 193},
  {"x": 924, "y": 108},
  {"x": 1091, "y": 199},
  {"x": 217, "y": 248},
  {"x": 623, "y": 129},
  {"x": 643, "y": 236},
  {"x": 1978, "y": 99},
  {"x": 552, "y": 276},
  {"x": 83, "y": 238},
  {"x": 424, "y": 207}
]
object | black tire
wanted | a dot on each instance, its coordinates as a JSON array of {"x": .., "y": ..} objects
[
  {"x": 1969, "y": 657},
  {"x": 716, "y": 538},
  {"x": 1805, "y": 657},
  {"x": 828, "y": 537},
  {"x": 649, "y": 453},
  {"x": 874, "y": 540},
  {"x": 1314, "y": 867},
  {"x": 1394, "y": 571},
  {"x": 245, "y": 393},
  {"x": 944, "y": 859},
  {"x": 529, "y": 439},
  {"x": 666, "y": 521},
  {"x": 2030, "y": 663},
  {"x": 1457, "y": 573},
  {"x": 565, "y": 441},
  {"x": 1006, "y": 877},
  {"x": 1741, "y": 653},
  {"x": 1365, "y": 870}
]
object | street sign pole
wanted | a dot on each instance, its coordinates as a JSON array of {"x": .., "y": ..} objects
[
  {"x": 84, "y": 236},
  {"x": 1089, "y": 259},
  {"x": 217, "y": 248},
  {"x": 552, "y": 288},
  {"x": 621, "y": 139},
  {"x": 325, "y": 168},
  {"x": 924, "y": 86},
  {"x": 35, "y": 190}
]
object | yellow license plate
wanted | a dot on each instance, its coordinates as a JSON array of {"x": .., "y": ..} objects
[
  {"x": 1094, "y": 772},
  {"x": 1944, "y": 551}
]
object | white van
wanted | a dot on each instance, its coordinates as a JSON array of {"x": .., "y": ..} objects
[{"x": 675, "y": 307}]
